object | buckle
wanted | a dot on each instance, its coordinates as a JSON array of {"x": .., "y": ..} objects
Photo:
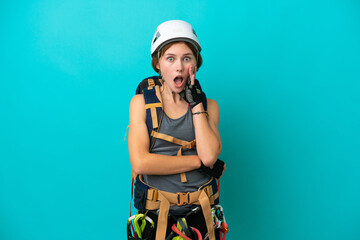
[{"x": 183, "y": 198}]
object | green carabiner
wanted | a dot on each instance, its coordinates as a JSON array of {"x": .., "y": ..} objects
[{"x": 139, "y": 229}]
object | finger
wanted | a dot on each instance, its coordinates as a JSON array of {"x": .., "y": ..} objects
[
  {"x": 192, "y": 75},
  {"x": 194, "y": 72}
]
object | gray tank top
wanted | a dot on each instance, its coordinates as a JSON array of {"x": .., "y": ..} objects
[{"x": 183, "y": 129}]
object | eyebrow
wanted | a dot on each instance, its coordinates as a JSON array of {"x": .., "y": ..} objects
[{"x": 185, "y": 54}]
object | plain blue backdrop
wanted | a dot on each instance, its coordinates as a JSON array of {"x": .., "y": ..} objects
[{"x": 285, "y": 74}]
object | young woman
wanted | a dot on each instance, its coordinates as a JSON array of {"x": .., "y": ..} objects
[{"x": 175, "y": 52}]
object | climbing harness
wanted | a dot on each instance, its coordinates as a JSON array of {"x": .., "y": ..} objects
[{"x": 149, "y": 198}]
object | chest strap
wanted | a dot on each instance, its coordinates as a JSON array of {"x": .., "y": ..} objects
[{"x": 184, "y": 145}]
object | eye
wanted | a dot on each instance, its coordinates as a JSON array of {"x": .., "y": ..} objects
[
  {"x": 170, "y": 59},
  {"x": 187, "y": 59}
]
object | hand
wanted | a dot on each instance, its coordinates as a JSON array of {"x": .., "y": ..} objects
[
  {"x": 192, "y": 90},
  {"x": 216, "y": 171}
]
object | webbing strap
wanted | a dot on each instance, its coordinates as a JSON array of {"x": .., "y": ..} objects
[
  {"x": 163, "y": 217},
  {"x": 189, "y": 145},
  {"x": 154, "y": 118},
  {"x": 153, "y": 105},
  {"x": 169, "y": 138},
  {"x": 184, "y": 145},
  {"x": 183, "y": 177},
  {"x": 153, "y": 198},
  {"x": 205, "y": 205},
  {"x": 151, "y": 83}
]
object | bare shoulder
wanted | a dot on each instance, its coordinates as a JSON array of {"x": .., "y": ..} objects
[
  {"x": 213, "y": 110},
  {"x": 137, "y": 108},
  {"x": 212, "y": 105},
  {"x": 137, "y": 99}
]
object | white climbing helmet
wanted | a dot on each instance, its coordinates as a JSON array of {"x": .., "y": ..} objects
[{"x": 173, "y": 31}]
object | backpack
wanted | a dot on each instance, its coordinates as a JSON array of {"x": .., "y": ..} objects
[{"x": 148, "y": 198}]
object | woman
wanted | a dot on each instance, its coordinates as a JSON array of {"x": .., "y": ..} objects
[{"x": 175, "y": 52}]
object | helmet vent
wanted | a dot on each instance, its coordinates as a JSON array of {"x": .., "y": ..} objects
[{"x": 156, "y": 37}]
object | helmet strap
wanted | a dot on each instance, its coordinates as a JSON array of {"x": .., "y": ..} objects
[{"x": 158, "y": 55}]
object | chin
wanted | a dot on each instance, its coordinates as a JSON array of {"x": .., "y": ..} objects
[{"x": 179, "y": 90}]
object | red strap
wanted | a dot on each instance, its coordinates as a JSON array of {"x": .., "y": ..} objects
[
  {"x": 223, "y": 231},
  {"x": 132, "y": 191},
  {"x": 177, "y": 231},
  {"x": 132, "y": 188},
  {"x": 199, "y": 237}
]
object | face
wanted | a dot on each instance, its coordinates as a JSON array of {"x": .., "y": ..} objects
[{"x": 174, "y": 66}]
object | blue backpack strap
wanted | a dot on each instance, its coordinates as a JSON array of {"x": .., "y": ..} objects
[
  {"x": 150, "y": 88},
  {"x": 145, "y": 83},
  {"x": 154, "y": 107}
]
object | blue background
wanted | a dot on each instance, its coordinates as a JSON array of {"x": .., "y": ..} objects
[{"x": 286, "y": 77}]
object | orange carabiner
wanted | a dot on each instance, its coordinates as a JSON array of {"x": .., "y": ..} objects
[{"x": 224, "y": 227}]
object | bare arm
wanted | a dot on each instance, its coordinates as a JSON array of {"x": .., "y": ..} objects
[
  {"x": 208, "y": 142},
  {"x": 144, "y": 162}
]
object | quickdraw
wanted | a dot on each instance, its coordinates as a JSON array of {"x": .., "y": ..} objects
[
  {"x": 136, "y": 226},
  {"x": 219, "y": 221}
]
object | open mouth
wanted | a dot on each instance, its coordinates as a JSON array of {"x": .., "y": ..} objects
[{"x": 178, "y": 81}]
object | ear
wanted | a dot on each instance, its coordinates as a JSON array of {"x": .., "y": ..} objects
[{"x": 158, "y": 66}]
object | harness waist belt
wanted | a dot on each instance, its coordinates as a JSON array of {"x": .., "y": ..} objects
[{"x": 153, "y": 197}]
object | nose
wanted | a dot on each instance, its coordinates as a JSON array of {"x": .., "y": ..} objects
[{"x": 179, "y": 66}]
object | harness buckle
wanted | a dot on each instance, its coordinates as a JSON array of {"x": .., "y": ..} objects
[{"x": 183, "y": 198}]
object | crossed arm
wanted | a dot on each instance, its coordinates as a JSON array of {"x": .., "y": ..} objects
[{"x": 144, "y": 162}]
